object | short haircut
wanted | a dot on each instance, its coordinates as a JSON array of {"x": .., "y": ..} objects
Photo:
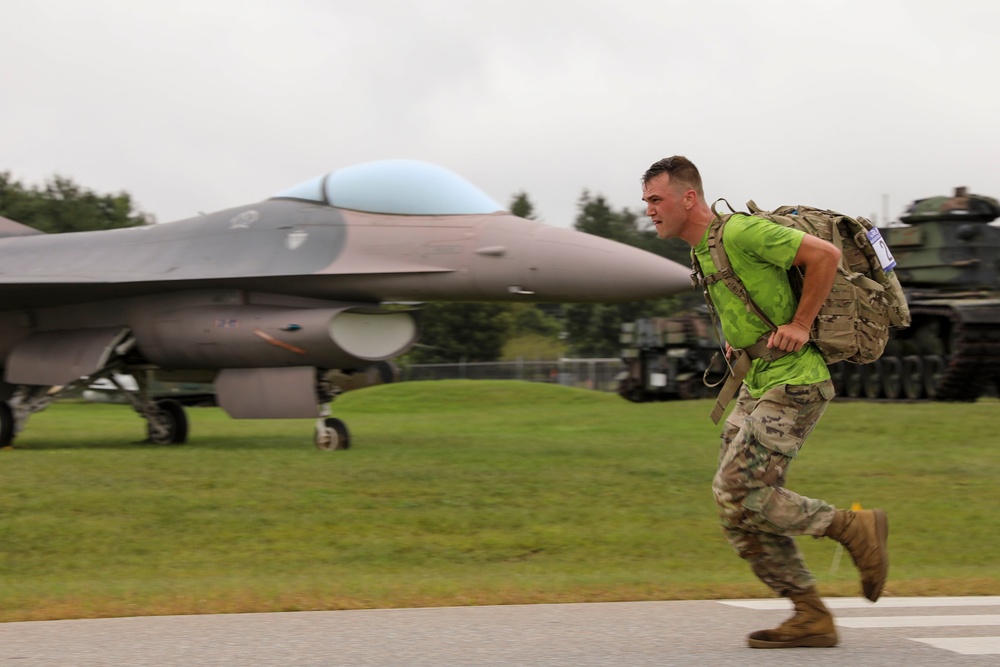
[{"x": 681, "y": 170}]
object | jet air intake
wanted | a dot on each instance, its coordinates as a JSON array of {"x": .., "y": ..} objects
[{"x": 250, "y": 336}]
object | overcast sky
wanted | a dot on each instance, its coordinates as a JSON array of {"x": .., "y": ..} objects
[{"x": 199, "y": 105}]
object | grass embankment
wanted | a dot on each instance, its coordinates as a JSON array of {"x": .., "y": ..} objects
[{"x": 462, "y": 493}]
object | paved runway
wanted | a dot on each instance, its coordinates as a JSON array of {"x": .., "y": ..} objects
[{"x": 913, "y": 632}]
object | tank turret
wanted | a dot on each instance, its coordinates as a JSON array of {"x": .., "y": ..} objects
[{"x": 946, "y": 243}]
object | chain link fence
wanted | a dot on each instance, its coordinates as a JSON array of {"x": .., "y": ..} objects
[{"x": 597, "y": 374}]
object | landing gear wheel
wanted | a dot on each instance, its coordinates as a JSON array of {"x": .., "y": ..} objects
[
  {"x": 167, "y": 425},
  {"x": 331, "y": 434},
  {"x": 6, "y": 424}
]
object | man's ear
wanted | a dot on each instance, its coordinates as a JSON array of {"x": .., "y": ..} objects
[{"x": 690, "y": 199}]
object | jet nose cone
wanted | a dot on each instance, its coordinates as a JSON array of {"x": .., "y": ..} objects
[{"x": 573, "y": 266}]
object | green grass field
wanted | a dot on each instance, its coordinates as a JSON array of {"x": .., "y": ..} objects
[{"x": 460, "y": 493}]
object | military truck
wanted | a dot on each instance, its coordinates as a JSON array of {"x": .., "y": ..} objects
[
  {"x": 948, "y": 261},
  {"x": 670, "y": 358}
]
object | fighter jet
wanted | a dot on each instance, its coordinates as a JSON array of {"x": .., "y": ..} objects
[{"x": 272, "y": 302}]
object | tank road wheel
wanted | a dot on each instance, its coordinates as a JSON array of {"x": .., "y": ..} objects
[
  {"x": 892, "y": 377},
  {"x": 913, "y": 376},
  {"x": 331, "y": 434},
  {"x": 6, "y": 424},
  {"x": 872, "y": 374},
  {"x": 838, "y": 373},
  {"x": 934, "y": 367},
  {"x": 167, "y": 424},
  {"x": 853, "y": 381}
]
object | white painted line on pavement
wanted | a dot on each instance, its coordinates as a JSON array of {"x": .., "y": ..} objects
[
  {"x": 884, "y": 603},
  {"x": 960, "y": 645},
  {"x": 919, "y": 621},
  {"x": 965, "y": 645}
]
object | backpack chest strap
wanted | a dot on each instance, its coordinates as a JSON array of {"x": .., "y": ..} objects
[{"x": 727, "y": 277}]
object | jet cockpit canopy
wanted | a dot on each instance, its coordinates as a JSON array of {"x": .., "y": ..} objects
[{"x": 396, "y": 187}]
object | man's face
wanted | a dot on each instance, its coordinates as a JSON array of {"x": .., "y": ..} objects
[{"x": 665, "y": 206}]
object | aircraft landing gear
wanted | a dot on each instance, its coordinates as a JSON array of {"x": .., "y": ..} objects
[
  {"x": 6, "y": 424},
  {"x": 332, "y": 433},
  {"x": 14, "y": 413},
  {"x": 166, "y": 423}
]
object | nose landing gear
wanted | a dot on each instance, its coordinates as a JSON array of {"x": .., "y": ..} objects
[{"x": 331, "y": 434}]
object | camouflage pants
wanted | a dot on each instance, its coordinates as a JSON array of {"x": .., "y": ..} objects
[{"x": 759, "y": 515}]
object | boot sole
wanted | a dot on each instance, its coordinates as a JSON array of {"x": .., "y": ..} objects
[
  {"x": 813, "y": 641},
  {"x": 873, "y": 590}
]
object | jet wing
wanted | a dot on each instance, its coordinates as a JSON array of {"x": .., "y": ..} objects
[{"x": 273, "y": 246}]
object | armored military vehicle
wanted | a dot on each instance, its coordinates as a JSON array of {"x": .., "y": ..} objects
[
  {"x": 666, "y": 358},
  {"x": 948, "y": 261}
]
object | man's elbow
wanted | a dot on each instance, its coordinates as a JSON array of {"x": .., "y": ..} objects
[
  {"x": 817, "y": 252},
  {"x": 833, "y": 253}
]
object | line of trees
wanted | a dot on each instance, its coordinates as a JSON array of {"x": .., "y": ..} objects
[
  {"x": 450, "y": 332},
  {"x": 60, "y": 205}
]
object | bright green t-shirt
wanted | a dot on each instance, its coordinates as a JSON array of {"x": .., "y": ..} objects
[{"x": 761, "y": 252}]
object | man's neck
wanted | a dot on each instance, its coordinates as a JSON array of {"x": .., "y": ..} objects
[{"x": 697, "y": 223}]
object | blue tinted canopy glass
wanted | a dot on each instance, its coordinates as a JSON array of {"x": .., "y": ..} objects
[{"x": 399, "y": 187}]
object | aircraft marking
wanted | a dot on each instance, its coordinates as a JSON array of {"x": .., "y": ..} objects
[
  {"x": 278, "y": 343},
  {"x": 296, "y": 239},
  {"x": 244, "y": 220}
]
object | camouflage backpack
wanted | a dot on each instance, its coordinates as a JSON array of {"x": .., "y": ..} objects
[{"x": 866, "y": 299}]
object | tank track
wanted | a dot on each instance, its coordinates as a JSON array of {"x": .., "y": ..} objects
[
  {"x": 960, "y": 362},
  {"x": 973, "y": 364}
]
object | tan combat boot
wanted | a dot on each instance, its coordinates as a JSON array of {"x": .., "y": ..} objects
[
  {"x": 864, "y": 534},
  {"x": 812, "y": 626}
]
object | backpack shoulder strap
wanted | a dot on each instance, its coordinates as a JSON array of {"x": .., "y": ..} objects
[
  {"x": 739, "y": 365},
  {"x": 724, "y": 270}
]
